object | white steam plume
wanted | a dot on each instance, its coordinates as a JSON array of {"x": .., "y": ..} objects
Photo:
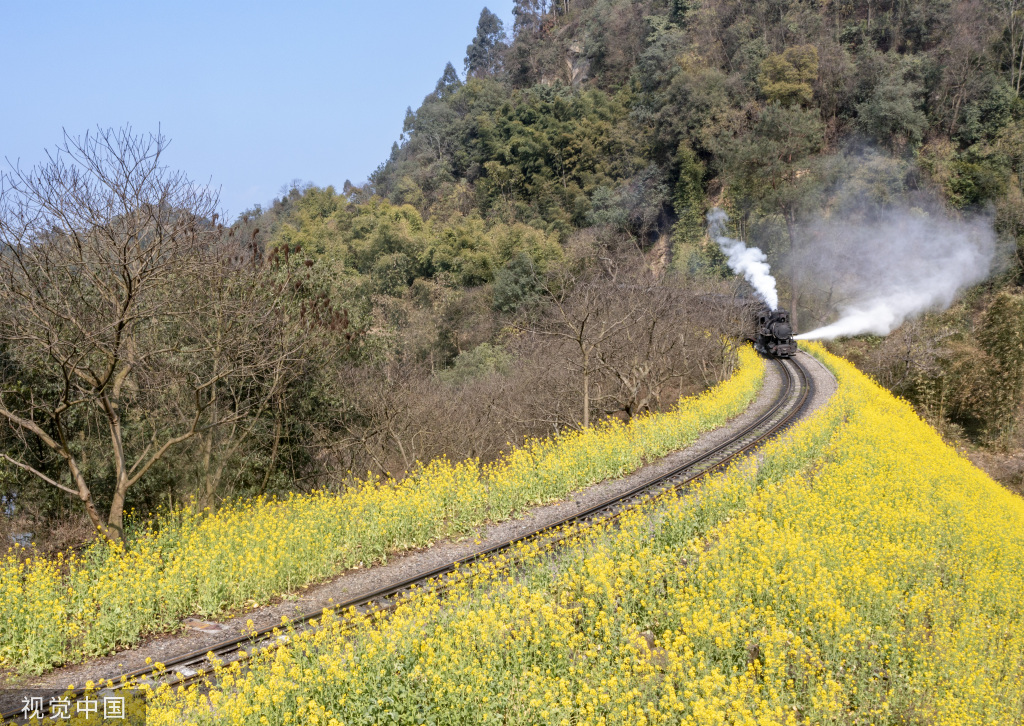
[
  {"x": 750, "y": 262},
  {"x": 895, "y": 266}
]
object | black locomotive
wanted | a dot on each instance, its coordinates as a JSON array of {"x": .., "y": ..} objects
[{"x": 773, "y": 334}]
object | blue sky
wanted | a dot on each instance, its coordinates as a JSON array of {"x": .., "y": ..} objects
[{"x": 252, "y": 95}]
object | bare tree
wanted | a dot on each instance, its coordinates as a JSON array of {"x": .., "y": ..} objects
[
  {"x": 101, "y": 252},
  {"x": 1012, "y": 12},
  {"x": 397, "y": 413},
  {"x": 675, "y": 343},
  {"x": 584, "y": 317},
  {"x": 636, "y": 340}
]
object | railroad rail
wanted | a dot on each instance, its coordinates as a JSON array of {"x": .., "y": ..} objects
[{"x": 790, "y": 404}]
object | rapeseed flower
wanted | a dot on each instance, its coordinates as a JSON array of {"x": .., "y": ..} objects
[
  {"x": 861, "y": 572},
  {"x": 76, "y": 606}
]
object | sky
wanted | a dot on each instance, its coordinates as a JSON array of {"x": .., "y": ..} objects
[{"x": 251, "y": 95}]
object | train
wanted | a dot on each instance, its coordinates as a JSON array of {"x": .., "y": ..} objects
[{"x": 773, "y": 333}]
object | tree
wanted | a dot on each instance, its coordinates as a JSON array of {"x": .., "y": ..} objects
[
  {"x": 788, "y": 78},
  {"x": 636, "y": 207},
  {"x": 1012, "y": 12},
  {"x": 636, "y": 339},
  {"x": 484, "y": 54},
  {"x": 964, "y": 58},
  {"x": 528, "y": 14},
  {"x": 102, "y": 250},
  {"x": 688, "y": 198},
  {"x": 515, "y": 284},
  {"x": 771, "y": 163},
  {"x": 583, "y": 317},
  {"x": 892, "y": 114},
  {"x": 408, "y": 124},
  {"x": 244, "y": 340},
  {"x": 675, "y": 342},
  {"x": 447, "y": 85},
  {"x": 1002, "y": 339}
]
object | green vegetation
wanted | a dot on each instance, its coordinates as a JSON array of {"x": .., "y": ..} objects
[
  {"x": 572, "y": 163},
  {"x": 859, "y": 571},
  {"x": 66, "y": 609}
]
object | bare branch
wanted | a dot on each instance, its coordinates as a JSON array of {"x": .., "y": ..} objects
[{"x": 39, "y": 474}]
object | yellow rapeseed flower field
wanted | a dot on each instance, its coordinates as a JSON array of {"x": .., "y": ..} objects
[
  {"x": 863, "y": 573},
  {"x": 61, "y": 610}
]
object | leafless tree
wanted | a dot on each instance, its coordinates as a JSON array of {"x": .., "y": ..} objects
[
  {"x": 636, "y": 340},
  {"x": 584, "y": 317},
  {"x": 102, "y": 250},
  {"x": 397, "y": 413},
  {"x": 674, "y": 345},
  {"x": 1012, "y": 12}
]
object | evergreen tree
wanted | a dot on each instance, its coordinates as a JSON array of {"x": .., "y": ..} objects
[
  {"x": 688, "y": 199},
  {"x": 528, "y": 14},
  {"x": 447, "y": 84},
  {"x": 484, "y": 54},
  {"x": 892, "y": 114},
  {"x": 788, "y": 78},
  {"x": 769, "y": 164}
]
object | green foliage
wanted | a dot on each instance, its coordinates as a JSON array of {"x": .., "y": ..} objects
[
  {"x": 984, "y": 118},
  {"x": 635, "y": 205},
  {"x": 382, "y": 247},
  {"x": 379, "y": 229},
  {"x": 508, "y": 242},
  {"x": 312, "y": 224},
  {"x": 448, "y": 84},
  {"x": 968, "y": 178},
  {"x": 788, "y": 78},
  {"x": 974, "y": 182},
  {"x": 484, "y": 54},
  {"x": 547, "y": 150},
  {"x": 871, "y": 181},
  {"x": 459, "y": 248},
  {"x": 1002, "y": 339},
  {"x": 688, "y": 199},
  {"x": 516, "y": 284},
  {"x": 770, "y": 163},
  {"x": 700, "y": 260},
  {"x": 892, "y": 114},
  {"x": 482, "y": 360}
]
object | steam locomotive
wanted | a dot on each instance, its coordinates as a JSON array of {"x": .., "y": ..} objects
[{"x": 773, "y": 334}]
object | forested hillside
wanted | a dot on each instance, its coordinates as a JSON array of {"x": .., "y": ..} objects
[
  {"x": 638, "y": 117},
  {"x": 532, "y": 256}
]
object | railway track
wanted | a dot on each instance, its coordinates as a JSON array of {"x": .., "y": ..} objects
[{"x": 792, "y": 401}]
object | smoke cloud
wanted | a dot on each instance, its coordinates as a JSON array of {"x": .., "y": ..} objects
[
  {"x": 750, "y": 262},
  {"x": 891, "y": 266}
]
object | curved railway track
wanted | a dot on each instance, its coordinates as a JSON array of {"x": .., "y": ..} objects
[{"x": 792, "y": 401}]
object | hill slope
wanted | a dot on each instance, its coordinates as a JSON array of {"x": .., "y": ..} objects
[{"x": 866, "y": 573}]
